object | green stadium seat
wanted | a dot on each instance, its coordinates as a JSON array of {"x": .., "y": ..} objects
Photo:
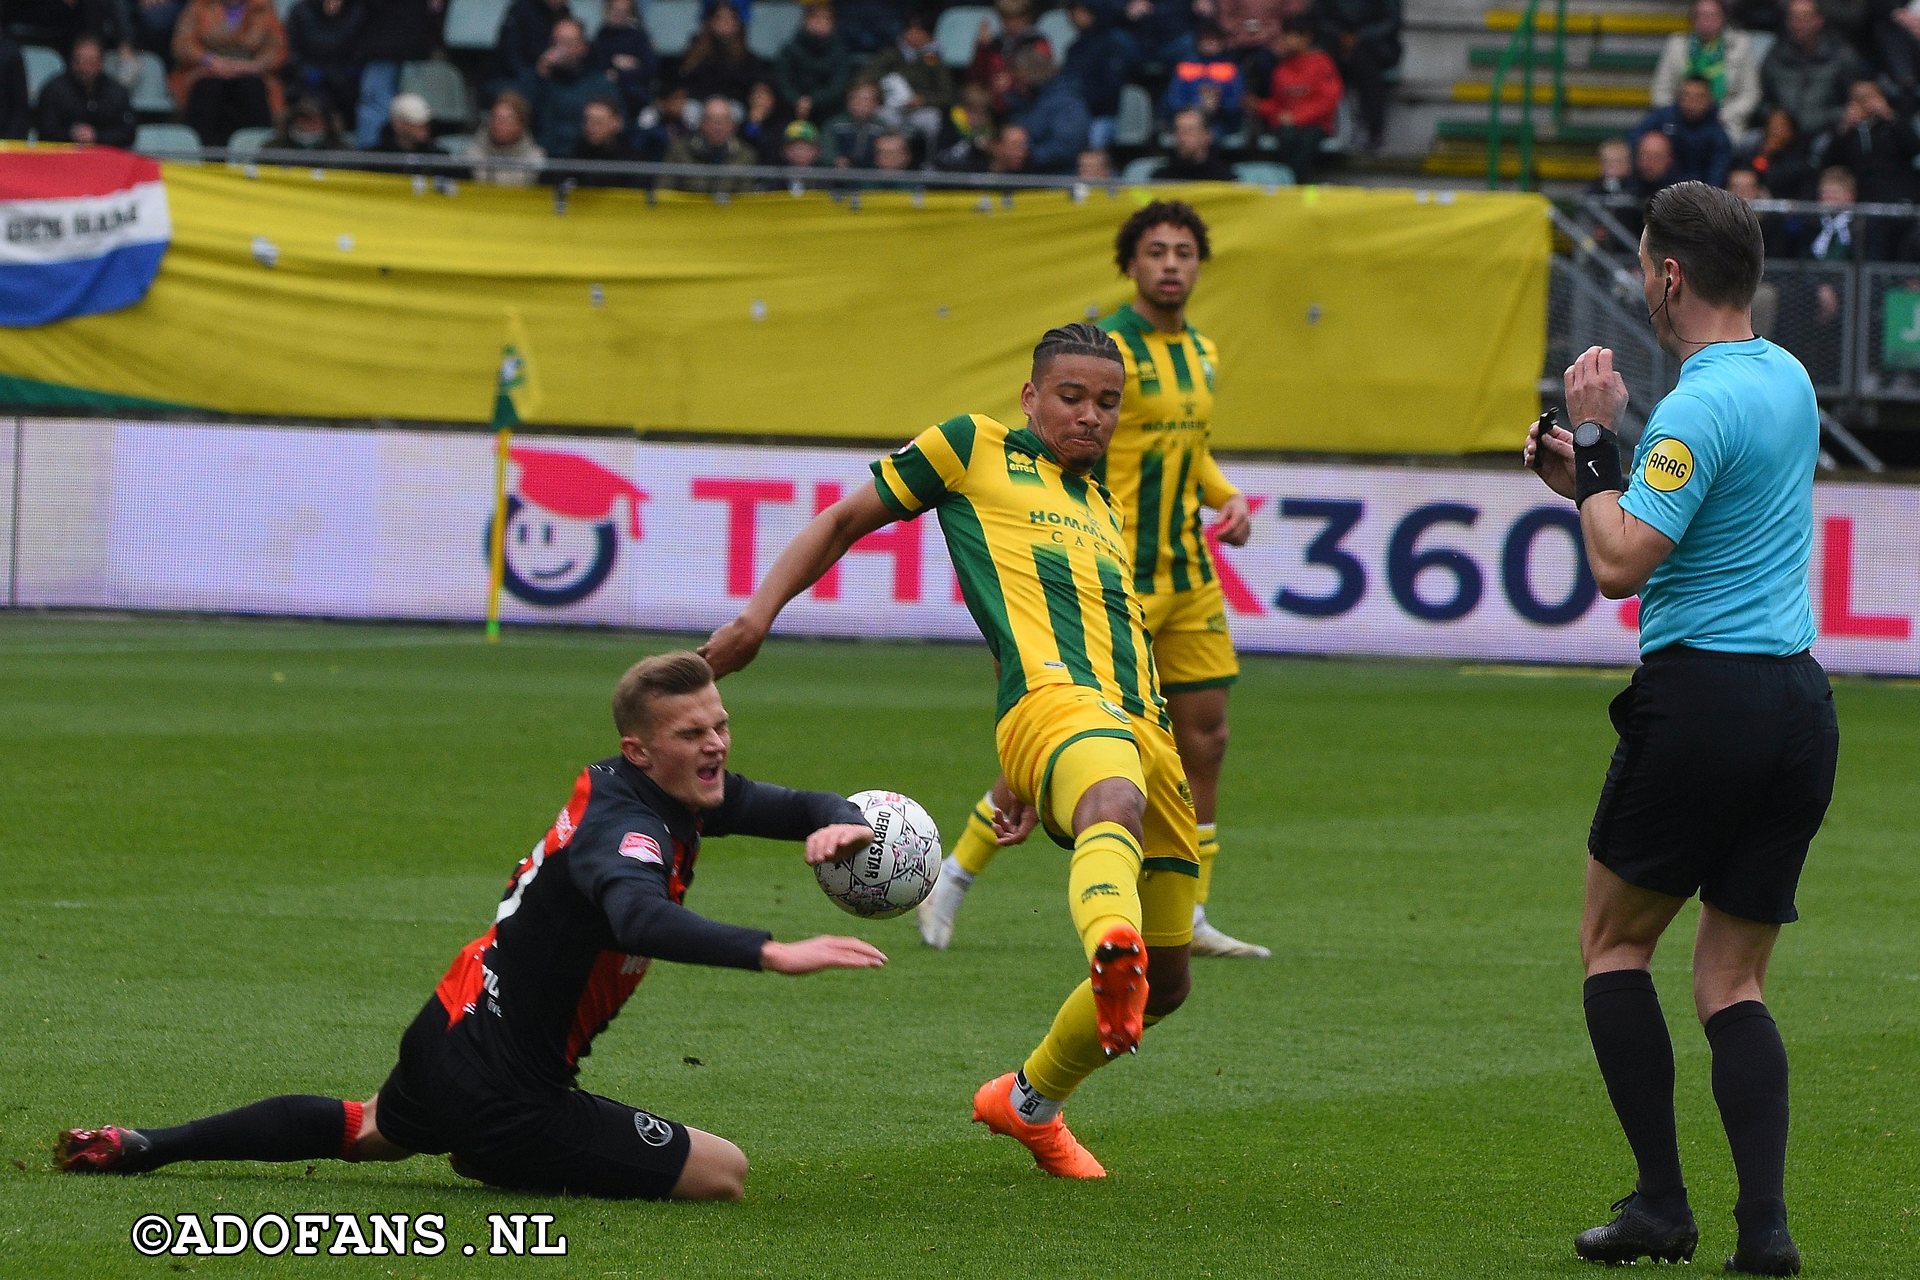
[
  {"x": 671, "y": 24},
  {"x": 150, "y": 96},
  {"x": 772, "y": 26},
  {"x": 43, "y": 64},
  {"x": 1143, "y": 169},
  {"x": 1059, "y": 30},
  {"x": 1263, "y": 173},
  {"x": 958, "y": 28},
  {"x": 247, "y": 143},
  {"x": 1133, "y": 125},
  {"x": 444, "y": 88},
  {"x": 475, "y": 24},
  {"x": 591, "y": 14},
  {"x": 284, "y": 7},
  {"x": 168, "y": 141}
]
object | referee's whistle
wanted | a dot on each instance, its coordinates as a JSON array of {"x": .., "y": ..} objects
[{"x": 1544, "y": 425}]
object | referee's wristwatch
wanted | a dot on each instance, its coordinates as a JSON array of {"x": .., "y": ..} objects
[{"x": 1596, "y": 462}]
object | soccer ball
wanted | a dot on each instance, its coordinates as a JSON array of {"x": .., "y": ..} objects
[{"x": 895, "y": 873}]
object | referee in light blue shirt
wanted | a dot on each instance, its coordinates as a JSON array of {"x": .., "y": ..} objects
[{"x": 1728, "y": 740}]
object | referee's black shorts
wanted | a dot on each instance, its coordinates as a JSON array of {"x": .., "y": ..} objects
[
  {"x": 438, "y": 1100},
  {"x": 1723, "y": 773}
]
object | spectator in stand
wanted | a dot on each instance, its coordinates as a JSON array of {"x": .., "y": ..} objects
[
  {"x": 409, "y": 130},
  {"x": 850, "y": 135},
  {"x": 1095, "y": 164},
  {"x": 659, "y": 126},
  {"x": 1048, "y": 106},
  {"x": 397, "y": 32},
  {"x": 623, "y": 53},
  {"x": 1811, "y": 302},
  {"x": 1782, "y": 158},
  {"x": 1364, "y": 38},
  {"x": 1616, "y": 191},
  {"x": 1010, "y": 151},
  {"x": 526, "y": 33},
  {"x": 84, "y": 104},
  {"x": 1653, "y": 168},
  {"x": 323, "y": 51},
  {"x": 717, "y": 143},
  {"x": 1163, "y": 30},
  {"x": 559, "y": 88},
  {"x": 1302, "y": 102},
  {"x": 1701, "y": 148},
  {"x": 868, "y": 26},
  {"x": 1194, "y": 158},
  {"x": 1747, "y": 184},
  {"x": 309, "y": 125},
  {"x": 892, "y": 153},
  {"x": 814, "y": 68},
  {"x": 505, "y": 153},
  {"x": 718, "y": 63},
  {"x": 1098, "y": 63},
  {"x": 764, "y": 128},
  {"x": 603, "y": 137},
  {"x": 1724, "y": 56},
  {"x": 1210, "y": 81},
  {"x": 800, "y": 146},
  {"x": 16, "y": 104},
  {"x": 916, "y": 86},
  {"x": 1808, "y": 70},
  {"x": 1876, "y": 145},
  {"x": 1253, "y": 32},
  {"x": 225, "y": 58},
  {"x": 966, "y": 136},
  {"x": 993, "y": 54},
  {"x": 1896, "y": 48}
]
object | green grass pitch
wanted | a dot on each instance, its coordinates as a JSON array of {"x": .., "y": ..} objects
[{"x": 238, "y": 855}]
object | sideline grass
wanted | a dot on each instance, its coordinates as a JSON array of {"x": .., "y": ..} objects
[{"x": 239, "y": 855}]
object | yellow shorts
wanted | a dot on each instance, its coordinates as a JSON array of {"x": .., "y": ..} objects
[
  {"x": 1059, "y": 740},
  {"x": 1191, "y": 646}
]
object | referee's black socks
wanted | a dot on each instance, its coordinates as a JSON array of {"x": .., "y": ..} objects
[
  {"x": 290, "y": 1127},
  {"x": 1750, "y": 1086},
  {"x": 1635, "y": 1053}
]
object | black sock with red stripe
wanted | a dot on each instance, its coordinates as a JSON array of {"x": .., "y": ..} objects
[{"x": 293, "y": 1126}]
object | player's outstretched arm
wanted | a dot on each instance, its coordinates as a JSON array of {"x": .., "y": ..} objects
[
  {"x": 816, "y": 549},
  {"x": 823, "y": 952}
]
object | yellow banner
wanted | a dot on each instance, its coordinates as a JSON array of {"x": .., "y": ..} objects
[{"x": 1348, "y": 319}]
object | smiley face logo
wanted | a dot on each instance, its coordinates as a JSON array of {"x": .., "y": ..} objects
[{"x": 561, "y": 538}]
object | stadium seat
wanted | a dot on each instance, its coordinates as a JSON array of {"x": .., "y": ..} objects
[
  {"x": 671, "y": 24},
  {"x": 284, "y": 7},
  {"x": 246, "y": 143},
  {"x": 170, "y": 141},
  {"x": 1144, "y": 169},
  {"x": 43, "y": 64},
  {"x": 591, "y": 14},
  {"x": 1133, "y": 125},
  {"x": 150, "y": 96},
  {"x": 1059, "y": 30},
  {"x": 958, "y": 28},
  {"x": 1263, "y": 173},
  {"x": 475, "y": 24},
  {"x": 442, "y": 86},
  {"x": 773, "y": 25},
  {"x": 456, "y": 144}
]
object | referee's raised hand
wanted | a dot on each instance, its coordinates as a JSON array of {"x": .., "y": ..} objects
[{"x": 1595, "y": 390}]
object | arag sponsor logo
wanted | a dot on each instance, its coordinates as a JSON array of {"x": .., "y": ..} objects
[{"x": 562, "y": 539}]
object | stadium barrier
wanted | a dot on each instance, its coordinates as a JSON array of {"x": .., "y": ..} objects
[
  {"x": 1350, "y": 320},
  {"x": 394, "y": 524}
]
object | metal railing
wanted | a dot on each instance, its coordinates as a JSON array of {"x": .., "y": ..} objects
[{"x": 1521, "y": 48}]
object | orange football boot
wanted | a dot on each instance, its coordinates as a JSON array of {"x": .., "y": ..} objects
[
  {"x": 1054, "y": 1149},
  {"x": 1119, "y": 970}
]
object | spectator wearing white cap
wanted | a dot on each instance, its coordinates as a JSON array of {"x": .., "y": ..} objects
[{"x": 409, "y": 128}]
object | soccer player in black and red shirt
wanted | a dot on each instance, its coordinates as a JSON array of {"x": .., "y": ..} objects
[{"x": 487, "y": 1071}]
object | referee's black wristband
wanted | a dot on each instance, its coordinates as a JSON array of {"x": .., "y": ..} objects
[{"x": 1596, "y": 466}]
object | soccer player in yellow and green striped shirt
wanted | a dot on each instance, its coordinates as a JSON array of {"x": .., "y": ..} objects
[
  {"x": 1085, "y": 746},
  {"x": 1162, "y": 475}
]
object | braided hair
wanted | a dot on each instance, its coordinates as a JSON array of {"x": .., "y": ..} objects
[{"x": 1074, "y": 340}]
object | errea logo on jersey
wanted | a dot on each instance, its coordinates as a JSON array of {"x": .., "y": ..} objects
[
  {"x": 1669, "y": 466},
  {"x": 641, "y": 847},
  {"x": 1021, "y": 467}
]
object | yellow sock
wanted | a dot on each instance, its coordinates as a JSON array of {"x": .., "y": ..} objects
[
  {"x": 1071, "y": 1052},
  {"x": 1209, "y": 850},
  {"x": 1103, "y": 881},
  {"x": 976, "y": 846}
]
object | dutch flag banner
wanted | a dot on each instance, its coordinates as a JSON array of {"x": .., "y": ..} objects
[{"x": 81, "y": 232}]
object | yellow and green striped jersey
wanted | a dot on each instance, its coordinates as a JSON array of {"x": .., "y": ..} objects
[
  {"x": 1158, "y": 468},
  {"x": 1041, "y": 555}
]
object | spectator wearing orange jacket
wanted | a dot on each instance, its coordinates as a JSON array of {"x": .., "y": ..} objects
[
  {"x": 1303, "y": 100},
  {"x": 225, "y": 59}
]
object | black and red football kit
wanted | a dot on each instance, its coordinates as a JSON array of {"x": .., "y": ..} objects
[{"x": 487, "y": 1070}]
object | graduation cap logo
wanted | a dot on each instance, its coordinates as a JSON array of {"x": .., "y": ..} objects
[{"x": 563, "y": 534}]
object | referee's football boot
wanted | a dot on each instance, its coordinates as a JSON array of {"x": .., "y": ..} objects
[
  {"x": 1637, "y": 1233},
  {"x": 105, "y": 1150},
  {"x": 1209, "y": 940},
  {"x": 1119, "y": 973},
  {"x": 1054, "y": 1147},
  {"x": 1765, "y": 1253}
]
